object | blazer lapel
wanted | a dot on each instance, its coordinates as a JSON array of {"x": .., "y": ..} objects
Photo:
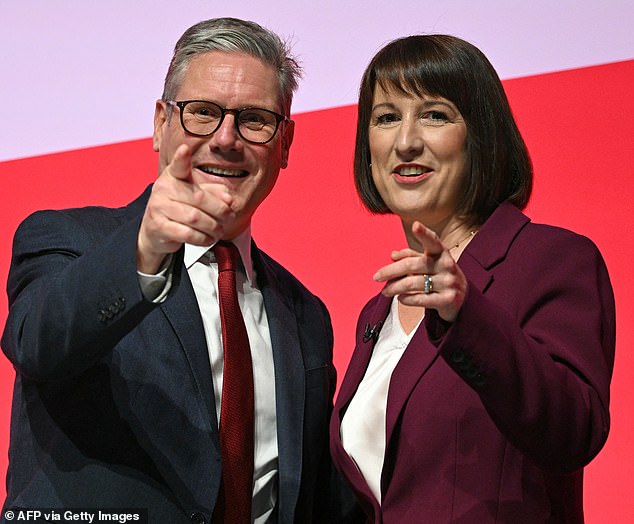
[
  {"x": 188, "y": 327},
  {"x": 193, "y": 483},
  {"x": 289, "y": 384},
  {"x": 371, "y": 318},
  {"x": 190, "y": 332},
  {"x": 418, "y": 356}
]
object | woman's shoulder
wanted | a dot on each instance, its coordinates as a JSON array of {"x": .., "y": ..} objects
[
  {"x": 531, "y": 233},
  {"x": 545, "y": 235}
]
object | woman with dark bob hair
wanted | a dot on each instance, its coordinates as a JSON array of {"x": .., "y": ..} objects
[{"x": 479, "y": 386}]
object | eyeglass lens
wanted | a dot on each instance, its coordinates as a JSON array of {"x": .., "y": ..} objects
[{"x": 254, "y": 124}]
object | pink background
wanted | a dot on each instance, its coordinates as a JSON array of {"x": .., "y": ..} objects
[{"x": 78, "y": 85}]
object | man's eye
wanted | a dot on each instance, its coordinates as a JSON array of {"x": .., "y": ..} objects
[
  {"x": 205, "y": 112},
  {"x": 252, "y": 117}
]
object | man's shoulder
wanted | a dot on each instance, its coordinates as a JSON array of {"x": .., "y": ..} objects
[
  {"x": 90, "y": 212},
  {"x": 92, "y": 215},
  {"x": 70, "y": 225}
]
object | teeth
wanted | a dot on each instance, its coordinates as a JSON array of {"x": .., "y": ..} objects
[
  {"x": 221, "y": 172},
  {"x": 412, "y": 170}
]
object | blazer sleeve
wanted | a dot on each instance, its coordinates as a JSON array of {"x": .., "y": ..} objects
[
  {"x": 537, "y": 345},
  {"x": 73, "y": 291}
]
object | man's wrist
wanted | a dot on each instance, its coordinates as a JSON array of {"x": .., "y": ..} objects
[{"x": 155, "y": 286}]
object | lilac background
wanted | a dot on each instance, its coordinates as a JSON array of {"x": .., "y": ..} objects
[{"x": 88, "y": 72}]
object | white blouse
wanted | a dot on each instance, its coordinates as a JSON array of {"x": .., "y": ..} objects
[{"x": 363, "y": 425}]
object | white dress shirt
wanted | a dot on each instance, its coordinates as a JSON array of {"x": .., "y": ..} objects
[
  {"x": 203, "y": 273},
  {"x": 363, "y": 425}
]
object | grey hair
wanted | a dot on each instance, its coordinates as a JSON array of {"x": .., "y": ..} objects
[{"x": 235, "y": 36}]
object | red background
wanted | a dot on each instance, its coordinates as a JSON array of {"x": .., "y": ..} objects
[{"x": 579, "y": 127}]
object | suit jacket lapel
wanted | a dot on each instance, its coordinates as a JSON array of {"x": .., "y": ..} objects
[
  {"x": 289, "y": 383},
  {"x": 190, "y": 332},
  {"x": 192, "y": 483},
  {"x": 188, "y": 328}
]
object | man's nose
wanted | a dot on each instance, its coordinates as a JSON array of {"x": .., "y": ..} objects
[{"x": 227, "y": 136}]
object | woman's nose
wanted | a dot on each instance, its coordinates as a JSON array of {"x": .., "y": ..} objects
[{"x": 409, "y": 140}]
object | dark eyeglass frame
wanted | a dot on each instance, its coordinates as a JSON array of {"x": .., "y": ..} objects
[{"x": 223, "y": 112}]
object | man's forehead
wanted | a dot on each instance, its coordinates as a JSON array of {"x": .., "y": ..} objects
[{"x": 225, "y": 69}]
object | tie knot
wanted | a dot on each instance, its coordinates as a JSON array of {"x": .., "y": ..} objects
[{"x": 227, "y": 256}]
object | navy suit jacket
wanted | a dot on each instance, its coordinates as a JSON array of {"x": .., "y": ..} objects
[
  {"x": 492, "y": 418},
  {"x": 113, "y": 402}
]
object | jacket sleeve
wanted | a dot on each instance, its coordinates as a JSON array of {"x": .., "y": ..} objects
[
  {"x": 538, "y": 347},
  {"x": 73, "y": 292}
]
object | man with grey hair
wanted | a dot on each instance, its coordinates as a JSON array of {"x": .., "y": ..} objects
[{"x": 165, "y": 366}]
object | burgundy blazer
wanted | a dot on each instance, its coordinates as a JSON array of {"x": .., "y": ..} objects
[{"x": 491, "y": 419}]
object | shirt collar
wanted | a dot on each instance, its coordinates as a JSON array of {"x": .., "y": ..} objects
[{"x": 243, "y": 242}]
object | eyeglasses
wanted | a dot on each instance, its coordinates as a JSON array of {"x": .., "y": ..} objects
[{"x": 203, "y": 118}]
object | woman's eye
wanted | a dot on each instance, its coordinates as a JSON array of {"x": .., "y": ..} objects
[
  {"x": 435, "y": 117},
  {"x": 387, "y": 119}
]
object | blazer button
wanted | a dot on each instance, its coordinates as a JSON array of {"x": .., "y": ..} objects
[
  {"x": 479, "y": 380},
  {"x": 198, "y": 518},
  {"x": 465, "y": 364},
  {"x": 472, "y": 373},
  {"x": 457, "y": 356}
]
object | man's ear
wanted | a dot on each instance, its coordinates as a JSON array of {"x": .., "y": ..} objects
[
  {"x": 160, "y": 122},
  {"x": 288, "y": 131}
]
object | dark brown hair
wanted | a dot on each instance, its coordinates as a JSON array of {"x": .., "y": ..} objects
[{"x": 441, "y": 65}]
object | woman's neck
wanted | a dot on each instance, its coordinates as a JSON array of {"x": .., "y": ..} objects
[{"x": 454, "y": 232}]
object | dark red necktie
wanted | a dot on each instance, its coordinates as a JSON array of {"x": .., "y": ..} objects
[{"x": 236, "y": 413}]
